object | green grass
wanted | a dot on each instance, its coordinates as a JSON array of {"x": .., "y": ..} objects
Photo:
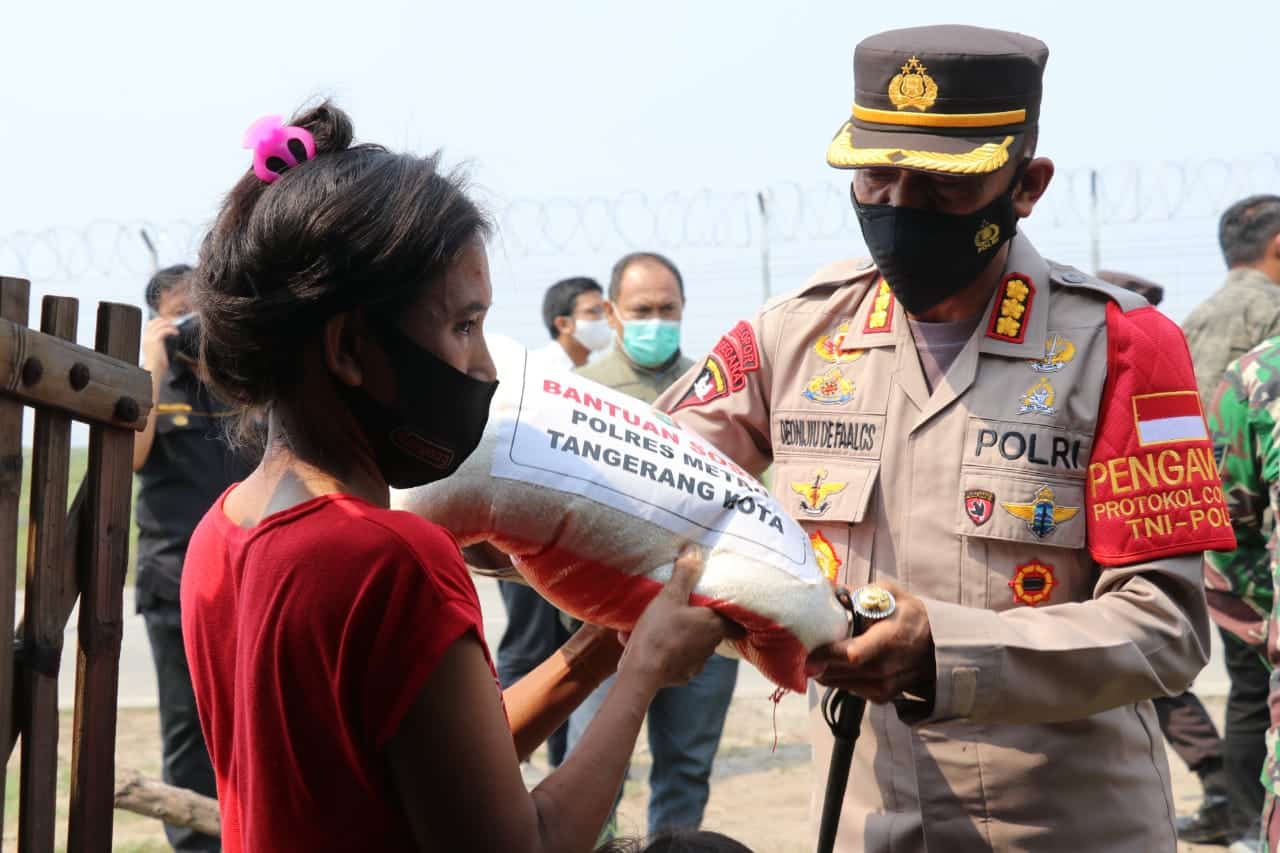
[{"x": 78, "y": 464}]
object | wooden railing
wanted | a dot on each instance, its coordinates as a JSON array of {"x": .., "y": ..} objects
[{"x": 77, "y": 553}]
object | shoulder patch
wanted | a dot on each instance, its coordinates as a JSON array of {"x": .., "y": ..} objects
[
  {"x": 1153, "y": 485},
  {"x": 1065, "y": 276},
  {"x": 725, "y": 370}
]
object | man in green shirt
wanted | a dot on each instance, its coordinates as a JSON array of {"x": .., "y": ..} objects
[
  {"x": 1240, "y": 316},
  {"x": 645, "y": 307},
  {"x": 1240, "y": 583}
]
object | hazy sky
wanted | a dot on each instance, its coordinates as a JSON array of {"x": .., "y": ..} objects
[{"x": 134, "y": 110}]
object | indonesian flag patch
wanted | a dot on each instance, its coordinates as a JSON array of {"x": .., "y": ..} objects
[{"x": 1168, "y": 418}]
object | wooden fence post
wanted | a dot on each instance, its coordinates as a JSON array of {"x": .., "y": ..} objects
[
  {"x": 105, "y": 535},
  {"x": 42, "y": 631},
  {"x": 14, "y": 297}
]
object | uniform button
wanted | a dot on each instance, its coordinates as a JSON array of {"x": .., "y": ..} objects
[{"x": 1072, "y": 276}]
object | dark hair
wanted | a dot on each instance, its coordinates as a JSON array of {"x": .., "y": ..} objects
[
  {"x": 561, "y": 297},
  {"x": 1145, "y": 288},
  {"x": 1247, "y": 227},
  {"x": 684, "y": 841},
  {"x": 625, "y": 262},
  {"x": 163, "y": 281},
  {"x": 358, "y": 226}
]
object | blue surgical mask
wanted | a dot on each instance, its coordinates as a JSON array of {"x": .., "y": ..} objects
[{"x": 651, "y": 343}]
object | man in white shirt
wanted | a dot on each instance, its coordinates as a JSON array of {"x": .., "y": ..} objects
[{"x": 573, "y": 313}]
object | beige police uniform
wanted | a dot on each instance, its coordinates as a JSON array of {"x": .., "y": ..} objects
[{"x": 977, "y": 498}]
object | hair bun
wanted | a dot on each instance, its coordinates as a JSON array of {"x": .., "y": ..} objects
[{"x": 330, "y": 126}]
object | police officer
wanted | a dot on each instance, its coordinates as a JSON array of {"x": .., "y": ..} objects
[
  {"x": 1015, "y": 449},
  {"x": 183, "y": 464}
]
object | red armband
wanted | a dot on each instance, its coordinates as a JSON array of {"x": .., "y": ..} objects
[{"x": 1153, "y": 488}]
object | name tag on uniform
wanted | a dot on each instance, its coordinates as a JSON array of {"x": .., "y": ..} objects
[{"x": 808, "y": 433}]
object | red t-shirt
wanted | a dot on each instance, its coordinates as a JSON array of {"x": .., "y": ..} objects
[{"x": 308, "y": 638}]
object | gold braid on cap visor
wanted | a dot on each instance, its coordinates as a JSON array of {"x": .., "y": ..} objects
[{"x": 985, "y": 158}]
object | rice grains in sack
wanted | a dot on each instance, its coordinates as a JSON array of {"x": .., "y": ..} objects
[{"x": 592, "y": 493}]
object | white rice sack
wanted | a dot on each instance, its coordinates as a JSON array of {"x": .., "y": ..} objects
[{"x": 592, "y": 493}]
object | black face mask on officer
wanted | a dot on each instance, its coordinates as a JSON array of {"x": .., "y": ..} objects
[
  {"x": 927, "y": 256},
  {"x": 434, "y": 423}
]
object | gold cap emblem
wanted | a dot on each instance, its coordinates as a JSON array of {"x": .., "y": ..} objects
[{"x": 913, "y": 87}]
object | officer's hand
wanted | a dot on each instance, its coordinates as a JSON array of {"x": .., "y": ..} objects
[
  {"x": 891, "y": 656},
  {"x": 154, "y": 356}
]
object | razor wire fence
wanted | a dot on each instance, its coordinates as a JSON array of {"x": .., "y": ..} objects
[
  {"x": 735, "y": 247},
  {"x": 782, "y": 213}
]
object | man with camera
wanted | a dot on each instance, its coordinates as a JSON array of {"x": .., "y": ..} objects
[{"x": 183, "y": 463}]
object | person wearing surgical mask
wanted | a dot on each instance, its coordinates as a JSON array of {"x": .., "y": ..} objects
[
  {"x": 645, "y": 306},
  {"x": 573, "y": 313}
]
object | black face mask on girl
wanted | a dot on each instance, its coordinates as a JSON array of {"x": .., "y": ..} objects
[
  {"x": 927, "y": 256},
  {"x": 434, "y": 423}
]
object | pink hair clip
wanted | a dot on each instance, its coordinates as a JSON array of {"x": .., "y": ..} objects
[{"x": 277, "y": 147}]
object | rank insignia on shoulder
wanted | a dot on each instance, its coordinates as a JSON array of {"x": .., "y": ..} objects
[
  {"x": 829, "y": 561},
  {"x": 830, "y": 388},
  {"x": 815, "y": 496},
  {"x": 880, "y": 317},
  {"x": 978, "y": 504},
  {"x": 1038, "y": 400},
  {"x": 710, "y": 384},
  {"x": 1012, "y": 310},
  {"x": 1058, "y": 351},
  {"x": 1032, "y": 583},
  {"x": 828, "y": 347},
  {"x": 1042, "y": 515}
]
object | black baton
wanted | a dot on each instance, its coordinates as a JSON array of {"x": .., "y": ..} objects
[{"x": 843, "y": 712}]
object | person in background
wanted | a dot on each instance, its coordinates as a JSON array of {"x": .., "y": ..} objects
[
  {"x": 183, "y": 463},
  {"x": 573, "y": 312},
  {"x": 1243, "y": 419},
  {"x": 1184, "y": 720},
  {"x": 1231, "y": 322},
  {"x": 645, "y": 307}
]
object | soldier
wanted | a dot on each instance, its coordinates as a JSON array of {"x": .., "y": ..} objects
[
  {"x": 1243, "y": 419},
  {"x": 1242, "y": 314},
  {"x": 1015, "y": 449},
  {"x": 1245, "y": 311}
]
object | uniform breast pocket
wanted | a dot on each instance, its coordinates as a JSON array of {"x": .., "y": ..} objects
[
  {"x": 830, "y": 499},
  {"x": 1024, "y": 540}
]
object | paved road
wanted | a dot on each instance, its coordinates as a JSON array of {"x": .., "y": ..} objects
[{"x": 138, "y": 686}]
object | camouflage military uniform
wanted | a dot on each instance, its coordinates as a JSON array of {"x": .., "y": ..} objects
[
  {"x": 1241, "y": 314},
  {"x": 1243, "y": 418}
]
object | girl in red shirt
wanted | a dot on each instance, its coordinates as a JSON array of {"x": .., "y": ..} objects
[{"x": 344, "y": 688}]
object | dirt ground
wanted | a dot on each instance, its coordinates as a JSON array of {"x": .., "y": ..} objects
[{"x": 759, "y": 794}]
